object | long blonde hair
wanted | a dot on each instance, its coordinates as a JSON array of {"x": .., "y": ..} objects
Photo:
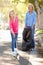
[{"x": 10, "y": 12}]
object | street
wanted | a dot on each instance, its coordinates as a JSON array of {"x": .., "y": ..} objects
[{"x": 26, "y": 58}]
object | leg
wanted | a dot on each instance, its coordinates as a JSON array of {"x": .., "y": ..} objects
[
  {"x": 13, "y": 42},
  {"x": 16, "y": 39},
  {"x": 15, "y": 48},
  {"x": 33, "y": 42}
]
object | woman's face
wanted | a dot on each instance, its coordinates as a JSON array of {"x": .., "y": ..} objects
[
  {"x": 11, "y": 15},
  {"x": 30, "y": 8}
]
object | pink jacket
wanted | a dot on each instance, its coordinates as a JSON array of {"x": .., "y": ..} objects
[{"x": 14, "y": 25}]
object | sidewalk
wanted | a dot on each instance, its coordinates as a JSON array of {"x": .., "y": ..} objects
[{"x": 26, "y": 58}]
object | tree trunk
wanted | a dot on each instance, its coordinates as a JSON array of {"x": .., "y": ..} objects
[
  {"x": 38, "y": 11},
  {"x": 40, "y": 15}
]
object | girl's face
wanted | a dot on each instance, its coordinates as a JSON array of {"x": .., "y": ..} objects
[{"x": 11, "y": 15}]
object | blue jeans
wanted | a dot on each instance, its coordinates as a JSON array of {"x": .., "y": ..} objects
[
  {"x": 33, "y": 41},
  {"x": 14, "y": 39}
]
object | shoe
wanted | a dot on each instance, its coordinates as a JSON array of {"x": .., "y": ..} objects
[
  {"x": 32, "y": 49},
  {"x": 16, "y": 51},
  {"x": 14, "y": 54}
]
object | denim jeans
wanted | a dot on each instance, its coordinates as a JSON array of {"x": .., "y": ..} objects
[
  {"x": 33, "y": 41},
  {"x": 14, "y": 40}
]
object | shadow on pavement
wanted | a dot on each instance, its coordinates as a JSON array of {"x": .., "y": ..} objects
[
  {"x": 4, "y": 47},
  {"x": 24, "y": 61},
  {"x": 6, "y": 57},
  {"x": 36, "y": 53}
]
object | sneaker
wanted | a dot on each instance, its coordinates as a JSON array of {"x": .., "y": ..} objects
[
  {"x": 32, "y": 49},
  {"x": 14, "y": 54},
  {"x": 16, "y": 51}
]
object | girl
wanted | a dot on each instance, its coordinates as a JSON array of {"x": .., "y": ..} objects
[{"x": 13, "y": 24}]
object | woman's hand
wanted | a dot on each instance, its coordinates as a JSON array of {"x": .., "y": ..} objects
[
  {"x": 33, "y": 26},
  {"x": 25, "y": 27},
  {"x": 28, "y": 34}
]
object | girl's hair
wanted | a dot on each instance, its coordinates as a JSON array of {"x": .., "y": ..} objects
[
  {"x": 10, "y": 12},
  {"x": 31, "y": 5}
]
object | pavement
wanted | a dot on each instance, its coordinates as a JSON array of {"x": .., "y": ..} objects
[{"x": 25, "y": 58}]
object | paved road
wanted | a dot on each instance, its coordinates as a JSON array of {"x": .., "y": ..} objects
[{"x": 26, "y": 58}]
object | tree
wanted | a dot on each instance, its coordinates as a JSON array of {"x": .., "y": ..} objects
[
  {"x": 37, "y": 4},
  {"x": 20, "y": 7}
]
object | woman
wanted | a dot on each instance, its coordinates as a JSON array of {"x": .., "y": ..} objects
[
  {"x": 31, "y": 21},
  {"x": 13, "y": 24}
]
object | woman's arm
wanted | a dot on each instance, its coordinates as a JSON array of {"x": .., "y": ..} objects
[
  {"x": 34, "y": 21},
  {"x": 26, "y": 21}
]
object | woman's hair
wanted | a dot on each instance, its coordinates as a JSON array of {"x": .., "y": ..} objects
[
  {"x": 31, "y": 5},
  {"x": 10, "y": 12}
]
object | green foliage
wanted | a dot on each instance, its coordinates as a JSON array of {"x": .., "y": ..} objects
[
  {"x": 33, "y": 2},
  {"x": 20, "y": 7},
  {"x": 40, "y": 31},
  {"x": 15, "y": 1},
  {"x": 40, "y": 2}
]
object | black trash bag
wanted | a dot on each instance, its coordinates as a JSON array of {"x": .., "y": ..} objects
[{"x": 27, "y": 39}]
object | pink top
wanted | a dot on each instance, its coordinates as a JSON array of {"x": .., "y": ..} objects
[{"x": 14, "y": 25}]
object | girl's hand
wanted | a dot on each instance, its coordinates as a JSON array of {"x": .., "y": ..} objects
[
  {"x": 12, "y": 32},
  {"x": 14, "y": 35}
]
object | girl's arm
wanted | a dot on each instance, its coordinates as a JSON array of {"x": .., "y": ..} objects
[{"x": 11, "y": 30}]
